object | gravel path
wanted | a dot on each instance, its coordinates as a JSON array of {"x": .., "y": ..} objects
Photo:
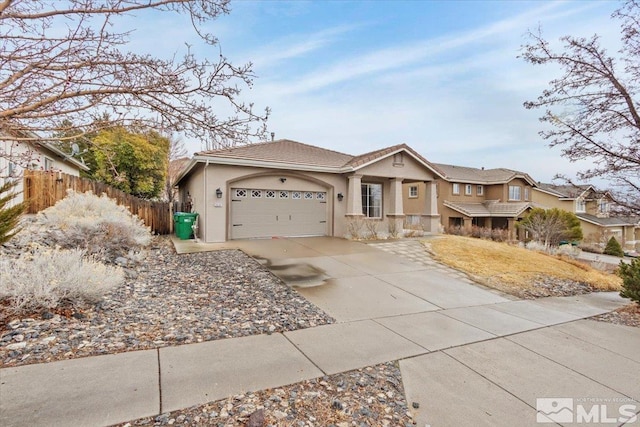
[{"x": 175, "y": 299}]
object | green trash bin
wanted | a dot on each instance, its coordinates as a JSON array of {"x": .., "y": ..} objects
[{"x": 183, "y": 222}]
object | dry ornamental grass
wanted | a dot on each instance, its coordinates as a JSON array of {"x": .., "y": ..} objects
[{"x": 519, "y": 271}]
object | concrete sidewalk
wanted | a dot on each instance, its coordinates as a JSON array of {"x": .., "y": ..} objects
[
  {"x": 454, "y": 341},
  {"x": 103, "y": 390}
]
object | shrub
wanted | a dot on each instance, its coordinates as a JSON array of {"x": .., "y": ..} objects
[
  {"x": 394, "y": 230},
  {"x": 371, "y": 225},
  {"x": 9, "y": 215},
  {"x": 354, "y": 228},
  {"x": 613, "y": 248},
  {"x": 49, "y": 277},
  {"x": 96, "y": 224},
  {"x": 630, "y": 274}
]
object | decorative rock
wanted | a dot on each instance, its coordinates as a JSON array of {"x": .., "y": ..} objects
[
  {"x": 415, "y": 405},
  {"x": 256, "y": 419},
  {"x": 16, "y": 346}
]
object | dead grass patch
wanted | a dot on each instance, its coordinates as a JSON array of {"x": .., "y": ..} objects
[{"x": 513, "y": 269}]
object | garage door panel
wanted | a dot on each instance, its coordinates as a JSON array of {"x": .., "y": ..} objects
[{"x": 284, "y": 213}]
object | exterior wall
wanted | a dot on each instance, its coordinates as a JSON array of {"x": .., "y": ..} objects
[
  {"x": 414, "y": 205},
  {"x": 30, "y": 156},
  {"x": 496, "y": 192},
  {"x": 215, "y": 213},
  {"x": 549, "y": 201},
  {"x": 193, "y": 190},
  {"x": 409, "y": 170}
]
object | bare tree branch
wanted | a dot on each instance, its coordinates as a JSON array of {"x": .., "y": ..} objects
[
  {"x": 67, "y": 62},
  {"x": 596, "y": 104}
]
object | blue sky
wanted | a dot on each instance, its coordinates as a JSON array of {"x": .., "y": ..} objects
[{"x": 443, "y": 77}]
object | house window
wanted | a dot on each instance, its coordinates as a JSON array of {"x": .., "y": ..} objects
[
  {"x": 48, "y": 164},
  {"x": 372, "y": 200},
  {"x": 256, "y": 194},
  {"x": 241, "y": 192},
  {"x": 526, "y": 193},
  {"x": 413, "y": 191},
  {"x": 308, "y": 195},
  {"x": 296, "y": 195},
  {"x": 284, "y": 194},
  {"x": 270, "y": 194},
  {"x": 479, "y": 190},
  {"x": 514, "y": 192},
  {"x": 603, "y": 206},
  {"x": 467, "y": 189},
  {"x": 456, "y": 188},
  {"x": 581, "y": 206},
  {"x": 321, "y": 196}
]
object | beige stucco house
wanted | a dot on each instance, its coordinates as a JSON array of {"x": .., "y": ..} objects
[
  {"x": 592, "y": 207},
  {"x": 287, "y": 188},
  {"x": 467, "y": 197}
]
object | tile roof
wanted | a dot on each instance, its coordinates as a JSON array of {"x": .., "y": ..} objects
[
  {"x": 475, "y": 175},
  {"x": 564, "y": 191},
  {"x": 283, "y": 151},
  {"x": 605, "y": 222},
  {"x": 293, "y": 152},
  {"x": 489, "y": 208}
]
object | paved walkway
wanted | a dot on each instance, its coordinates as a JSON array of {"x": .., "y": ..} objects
[{"x": 467, "y": 355}]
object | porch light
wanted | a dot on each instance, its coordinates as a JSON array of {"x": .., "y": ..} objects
[
  {"x": 219, "y": 193},
  {"x": 340, "y": 197}
]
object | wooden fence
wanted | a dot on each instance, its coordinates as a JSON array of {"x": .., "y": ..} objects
[{"x": 43, "y": 189}]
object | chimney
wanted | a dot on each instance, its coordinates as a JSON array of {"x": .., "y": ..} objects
[{"x": 273, "y": 136}]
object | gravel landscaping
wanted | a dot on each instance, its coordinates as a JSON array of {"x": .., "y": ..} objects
[
  {"x": 372, "y": 396},
  {"x": 629, "y": 315},
  {"x": 168, "y": 299}
]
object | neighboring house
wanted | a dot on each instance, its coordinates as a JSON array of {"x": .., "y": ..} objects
[
  {"x": 592, "y": 207},
  {"x": 467, "y": 197},
  {"x": 16, "y": 156},
  {"x": 286, "y": 188}
]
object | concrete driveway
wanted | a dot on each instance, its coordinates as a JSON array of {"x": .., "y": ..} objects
[
  {"x": 354, "y": 281},
  {"x": 468, "y": 355}
]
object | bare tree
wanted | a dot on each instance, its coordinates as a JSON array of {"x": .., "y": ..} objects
[
  {"x": 66, "y": 62},
  {"x": 595, "y": 104},
  {"x": 549, "y": 227},
  {"x": 177, "y": 160}
]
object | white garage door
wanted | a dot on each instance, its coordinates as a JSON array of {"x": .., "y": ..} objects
[{"x": 267, "y": 213}]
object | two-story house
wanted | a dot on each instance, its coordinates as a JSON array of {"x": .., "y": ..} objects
[
  {"x": 591, "y": 206},
  {"x": 467, "y": 197}
]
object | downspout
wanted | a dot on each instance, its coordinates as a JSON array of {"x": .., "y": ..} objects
[{"x": 204, "y": 198}]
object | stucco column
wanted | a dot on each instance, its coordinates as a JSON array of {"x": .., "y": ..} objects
[
  {"x": 431, "y": 199},
  {"x": 354, "y": 196},
  {"x": 430, "y": 216},
  {"x": 467, "y": 223},
  {"x": 511, "y": 228},
  {"x": 396, "y": 208}
]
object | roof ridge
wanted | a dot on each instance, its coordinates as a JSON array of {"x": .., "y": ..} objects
[{"x": 261, "y": 143}]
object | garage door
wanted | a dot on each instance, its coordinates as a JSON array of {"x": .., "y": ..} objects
[{"x": 266, "y": 213}]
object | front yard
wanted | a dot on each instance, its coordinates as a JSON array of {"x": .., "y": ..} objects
[
  {"x": 528, "y": 274},
  {"x": 171, "y": 300}
]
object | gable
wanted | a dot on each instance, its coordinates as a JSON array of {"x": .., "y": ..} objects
[{"x": 401, "y": 165}]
